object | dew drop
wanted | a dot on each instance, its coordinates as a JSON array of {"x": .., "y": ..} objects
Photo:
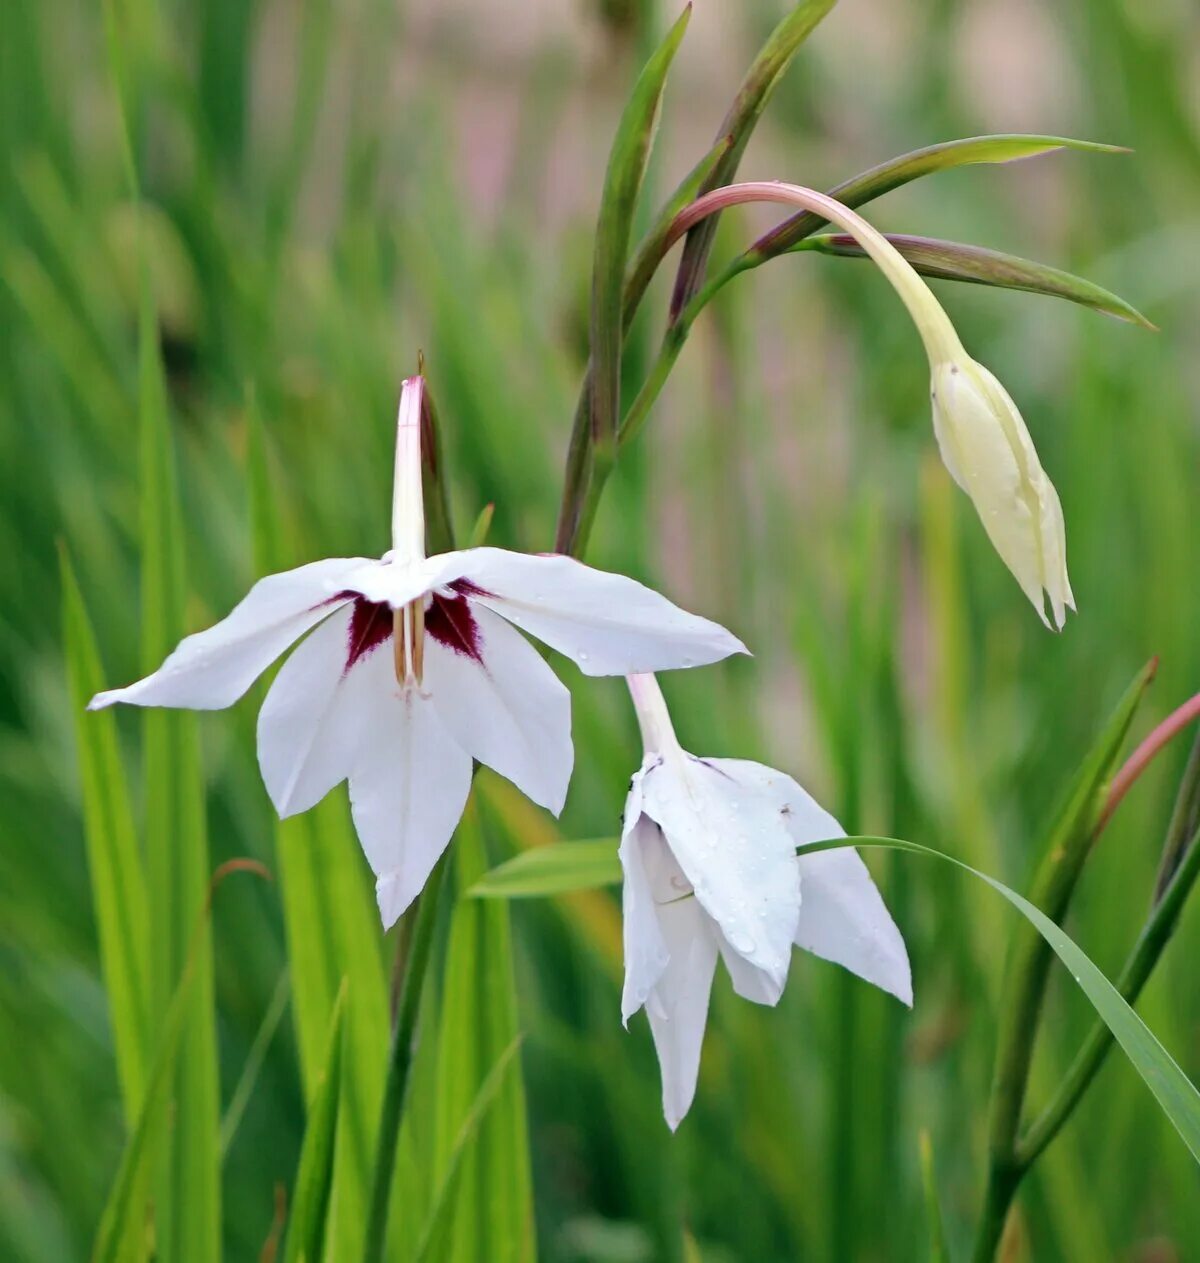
[{"x": 741, "y": 942}]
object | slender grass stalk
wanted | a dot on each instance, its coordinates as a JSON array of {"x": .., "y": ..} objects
[{"x": 400, "y": 1061}]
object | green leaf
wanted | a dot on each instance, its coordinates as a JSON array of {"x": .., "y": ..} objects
[
  {"x": 232, "y": 1118},
  {"x": 491, "y": 1205},
  {"x": 552, "y": 870},
  {"x": 938, "y": 1251},
  {"x": 114, "y": 863},
  {"x": 908, "y": 167},
  {"x": 332, "y": 932},
  {"x": 122, "y": 1232},
  {"x": 436, "y": 1221},
  {"x": 736, "y": 129},
  {"x": 314, "y": 1176},
  {"x": 954, "y": 261},
  {"x": 622, "y": 184},
  {"x": 1172, "y": 1089},
  {"x": 187, "y": 1206},
  {"x": 1063, "y": 855}
]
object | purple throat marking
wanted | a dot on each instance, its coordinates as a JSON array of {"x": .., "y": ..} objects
[{"x": 448, "y": 620}]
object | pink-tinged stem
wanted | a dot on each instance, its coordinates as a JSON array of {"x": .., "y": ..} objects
[{"x": 1144, "y": 755}]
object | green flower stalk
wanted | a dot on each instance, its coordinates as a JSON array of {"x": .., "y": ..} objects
[{"x": 980, "y": 432}]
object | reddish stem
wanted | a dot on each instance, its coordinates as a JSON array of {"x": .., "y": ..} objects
[{"x": 1142, "y": 757}]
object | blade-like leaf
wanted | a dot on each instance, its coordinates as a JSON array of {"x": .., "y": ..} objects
[
  {"x": 736, "y": 129},
  {"x": 121, "y": 1235},
  {"x": 938, "y": 1251},
  {"x": 552, "y": 870},
  {"x": 1063, "y": 855},
  {"x": 118, "y": 881},
  {"x": 188, "y": 1204},
  {"x": 955, "y": 261},
  {"x": 912, "y": 166},
  {"x": 490, "y": 1214},
  {"x": 314, "y": 1176},
  {"x": 436, "y": 1221},
  {"x": 622, "y": 184},
  {"x": 1172, "y": 1089}
]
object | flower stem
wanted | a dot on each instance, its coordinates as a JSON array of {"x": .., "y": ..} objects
[
  {"x": 400, "y": 1062},
  {"x": 588, "y": 469}
]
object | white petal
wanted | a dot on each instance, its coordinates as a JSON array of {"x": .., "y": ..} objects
[
  {"x": 678, "y": 1006},
  {"x": 750, "y": 982},
  {"x": 507, "y": 708},
  {"x": 645, "y": 950},
  {"x": 842, "y": 915},
  {"x": 843, "y": 919},
  {"x": 213, "y": 668},
  {"x": 396, "y": 584},
  {"x": 408, "y": 786},
  {"x": 733, "y": 844},
  {"x": 311, "y": 723},
  {"x": 608, "y": 624}
]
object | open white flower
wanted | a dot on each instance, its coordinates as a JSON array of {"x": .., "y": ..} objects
[
  {"x": 414, "y": 669},
  {"x": 708, "y": 852}
]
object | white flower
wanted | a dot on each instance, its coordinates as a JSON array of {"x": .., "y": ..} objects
[
  {"x": 413, "y": 668},
  {"x": 709, "y": 858},
  {"x": 986, "y": 447}
]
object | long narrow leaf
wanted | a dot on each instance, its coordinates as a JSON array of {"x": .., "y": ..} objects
[
  {"x": 735, "y": 132},
  {"x": 955, "y": 261},
  {"x": 1172, "y": 1089},
  {"x": 896, "y": 172},
  {"x": 552, "y": 870},
  {"x": 622, "y": 184},
  {"x": 114, "y": 864},
  {"x": 314, "y": 1176}
]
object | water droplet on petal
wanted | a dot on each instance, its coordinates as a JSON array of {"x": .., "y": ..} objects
[{"x": 740, "y": 941}]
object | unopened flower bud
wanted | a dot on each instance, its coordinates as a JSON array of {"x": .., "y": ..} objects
[{"x": 986, "y": 447}]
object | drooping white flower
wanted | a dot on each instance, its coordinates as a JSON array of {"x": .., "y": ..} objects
[
  {"x": 708, "y": 852},
  {"x": 982, "y": 437},
  {"x": 986, "y": 447},
  {"x": 413, "y": 667}
]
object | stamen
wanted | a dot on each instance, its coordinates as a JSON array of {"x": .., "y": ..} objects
[{"x": 408, "y": 642}]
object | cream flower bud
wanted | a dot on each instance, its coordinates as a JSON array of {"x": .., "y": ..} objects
[{"x": 986, "y": 447}]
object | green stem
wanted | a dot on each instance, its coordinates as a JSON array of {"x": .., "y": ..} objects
[{"x": 400, "y": 1062}]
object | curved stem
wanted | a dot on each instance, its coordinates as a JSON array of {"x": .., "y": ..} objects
[{"x": 585, "y": 478}]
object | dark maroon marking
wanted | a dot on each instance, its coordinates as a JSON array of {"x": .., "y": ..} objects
[
  {"x": 464, "y": 587},
  {"x": 370, "y": 627},
  {"x": 450, "y": 622}
]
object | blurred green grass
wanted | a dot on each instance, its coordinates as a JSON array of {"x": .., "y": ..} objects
[{"x": 328, "y": 188}]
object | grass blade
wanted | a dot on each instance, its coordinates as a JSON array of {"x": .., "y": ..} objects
[
  {"x": 117, "y": 877},
  {"x": 556, "y": 869},
  {"x": 315, "y": 1174},
  {"x": 912, "y": 166},
  {"x": 955, "y": 261},
  {"x": 622, "y": 185},
  {"x": 1175, "y": 1093}
]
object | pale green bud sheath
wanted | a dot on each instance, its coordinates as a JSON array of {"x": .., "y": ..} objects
[
  {"x": 980, "y": 432},
  {"x": 408, "y": 531}
]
